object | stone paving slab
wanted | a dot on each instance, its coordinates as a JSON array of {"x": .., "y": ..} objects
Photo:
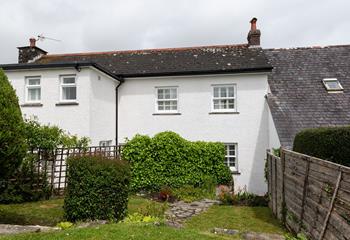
[
  {"x": 180, "y": 211},
  {"x": 14, "y": 229}
]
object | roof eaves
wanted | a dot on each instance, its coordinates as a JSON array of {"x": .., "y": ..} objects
[
  {"x": 75, "y": 65},
  {"x": 184, "y": 73}
]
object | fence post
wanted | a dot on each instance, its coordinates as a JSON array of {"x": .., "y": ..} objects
[
  {"x": 283, "y": 204},
  {"x": 306, "y": 179},
  {"x": 330, "y": 209}
]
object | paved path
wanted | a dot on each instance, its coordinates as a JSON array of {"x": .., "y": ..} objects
[
  {"x": 179, "y": 212},
  {"x": 13, "y": 229}
]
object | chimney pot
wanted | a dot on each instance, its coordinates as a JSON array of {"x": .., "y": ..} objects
[{"x": 32, "y": 42}]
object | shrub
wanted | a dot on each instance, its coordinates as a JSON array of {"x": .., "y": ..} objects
[
  {"x": 190, "y": 193},
  {"x": 50, "y": 137},
  {"x": 97, "y": 188},
  {"x": 12, "y": 142},
  {"x": 169, "y": 160},
  {"x": 26, "y": 184},
  {"x": 243, "y": 198},
  {"x": 329, "y": 143}
]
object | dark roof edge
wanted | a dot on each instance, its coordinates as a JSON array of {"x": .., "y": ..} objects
[
  {"x": 226, "y": 71},
  {"x": 120, "y": 76},
  {"x": 76, "y": 65},
  {"x": 33, "y": 47}
]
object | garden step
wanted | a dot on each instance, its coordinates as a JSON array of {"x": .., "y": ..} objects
[{"x": 13, "y": 229}]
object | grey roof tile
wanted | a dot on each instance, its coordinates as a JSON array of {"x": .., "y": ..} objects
[{"x": 298, "y": 98}]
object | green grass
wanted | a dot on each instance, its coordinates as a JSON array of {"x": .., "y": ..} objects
[
  {"x": 256, "y": 219},
  {"x": 50, "y": 212},
  {"x": 120, "y": 231},
  {"x": 47, "y": 213}
]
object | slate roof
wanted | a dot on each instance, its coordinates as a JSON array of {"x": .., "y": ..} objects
[
  {"x": 171, "y": 61},
  {"x": 298, "y": 98}
]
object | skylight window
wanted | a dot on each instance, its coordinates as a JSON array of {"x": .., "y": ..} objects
[{"x": 332, "y": 84}]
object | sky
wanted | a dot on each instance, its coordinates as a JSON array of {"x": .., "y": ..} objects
[{"x": 108, "y": 25}]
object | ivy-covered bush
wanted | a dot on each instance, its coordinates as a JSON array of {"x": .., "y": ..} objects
[
  {"x": 12, "y": 142},
  {"x": 329, "y": 143},
  {"x": 50, "y": 137},
  {"x": 97, "y": 188},
  {"x": 169, "y": 160},
  {"x": 26, "y": 184}
]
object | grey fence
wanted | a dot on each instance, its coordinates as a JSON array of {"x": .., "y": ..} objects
[{"x": 310, "y": 195}]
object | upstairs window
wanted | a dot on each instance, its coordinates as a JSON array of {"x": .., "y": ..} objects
[
  {"x": 167, "y": 100},
  {"x": 33, "y": 89},
  {"x": 224, "y": 98},
  {"x": 68, "y": 88},
  {"x": 231, "y": 156},
  {"x": 332, "y": 84}
]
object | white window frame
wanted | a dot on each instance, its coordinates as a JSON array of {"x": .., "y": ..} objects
[
  {"x": 27, "y": 87},
  {"x": 227, "y": 155},
  {"x": 105, "y": 143},
  {"x": 234, "y": 109},
  {"x": 172, "y": 99},
  {"x": 68, "y": 85},
  {"x": 325, "y": 83}
]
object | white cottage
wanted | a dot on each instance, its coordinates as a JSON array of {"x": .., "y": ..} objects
[{"x": 209, "y": 93}]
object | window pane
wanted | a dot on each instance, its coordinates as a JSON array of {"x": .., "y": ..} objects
[
  {"x": 173, "y": 93},
  {"x": 69, "y": 93},
  {"x": 231, "y": 103},
  {"x": 68, "y": 80},
  {"x": 160, "y": 94},
  {"x": 216, "y": 104},
  {"x": 34, "y": 94},
  {"x": 216, "y": 92},
  {"x": 223, "y": 92},
  {"x": 230, "y": 92},
  {"x": 35, "y": 81}
]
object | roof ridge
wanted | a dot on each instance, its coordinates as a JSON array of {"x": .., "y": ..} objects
[
  {"x": 147, "y": 50},
  {"x": 308, "y": 47}
]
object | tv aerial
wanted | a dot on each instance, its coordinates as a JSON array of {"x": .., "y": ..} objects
[{"x": 41, "y": 37}]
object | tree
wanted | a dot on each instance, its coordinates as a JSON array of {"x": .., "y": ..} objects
[{"x": 12, "y": 141}]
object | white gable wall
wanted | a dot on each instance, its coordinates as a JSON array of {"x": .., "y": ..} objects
[
  {"x": 94, "y": 117},
  {"x": 248, "y": 128},
  {"x": 103, "y": 106}
]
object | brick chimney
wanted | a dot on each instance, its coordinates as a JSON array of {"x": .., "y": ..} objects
[
  {"x": 254, "y": 34},
  {"x": 30, "y": 53}
]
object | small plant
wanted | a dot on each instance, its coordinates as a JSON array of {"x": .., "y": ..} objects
[
  {"x": 328, "y": 189},
  {"x": 165, "y": 194},
  {"x": 139, "y": 218},
  {"x": 153, "y": 209},
  {"x": 65, "y": 225},
  {"x": 242, "y": 197},
  {"x": 300, "y": 236}
]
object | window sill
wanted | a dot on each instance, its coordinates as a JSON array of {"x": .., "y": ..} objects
[
  {"x": 67, "y": 104},
  {"x": 235, "y": 173},
  {"x": 157, "y": 114},
  {"x": 31, "y": 105},
  {"x": 224, "y": 113}
]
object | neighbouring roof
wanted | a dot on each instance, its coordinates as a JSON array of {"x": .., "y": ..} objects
[
  {"x": 298, "y": 98},
  {"x": 171, "y": 61}
]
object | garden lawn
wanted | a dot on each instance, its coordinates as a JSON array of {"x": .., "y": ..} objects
[
  {"x": 50, "y": 212},
  {"x": 255, "y": 219}
]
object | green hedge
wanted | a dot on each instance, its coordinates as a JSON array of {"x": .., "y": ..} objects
[
  {"x": 12, "y": 142},
  {"x": 169, "y": 160},
  {"x": 97, "y": 189},
  {"x": 329, "y": 143}
]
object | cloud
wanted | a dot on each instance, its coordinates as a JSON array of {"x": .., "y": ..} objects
[{"x": 134, "y": 24}]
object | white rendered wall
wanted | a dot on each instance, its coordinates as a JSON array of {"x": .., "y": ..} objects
[
  {"x": 94, "y": 117},
  {"x": 248, "y": 128},
  {"x": 103, "y": 106}
]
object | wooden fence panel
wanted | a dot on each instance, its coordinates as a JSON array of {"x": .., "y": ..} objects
[
  {"x": 53, "y": 163},
  {"x": 310, "y": 195}
]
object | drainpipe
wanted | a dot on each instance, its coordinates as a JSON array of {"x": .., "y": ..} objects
[{"x": 121, "y": 80}]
